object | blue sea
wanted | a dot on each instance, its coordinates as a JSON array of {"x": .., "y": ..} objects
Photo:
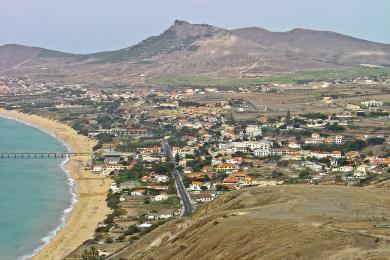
[{"x": 35, "y": 194}]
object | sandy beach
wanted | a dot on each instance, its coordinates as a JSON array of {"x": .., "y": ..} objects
[{"x": 91, "y": 189}]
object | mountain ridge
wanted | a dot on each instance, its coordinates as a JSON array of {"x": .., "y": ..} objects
[{"x": 186, "y": 49}]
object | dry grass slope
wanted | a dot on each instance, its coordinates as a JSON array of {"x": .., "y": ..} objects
[{"x": 284, "y": 222}]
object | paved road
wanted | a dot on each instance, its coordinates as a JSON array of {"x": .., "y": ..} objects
[{"x": 185, "y": 199}]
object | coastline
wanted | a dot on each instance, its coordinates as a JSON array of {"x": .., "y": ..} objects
[{"x": 88, "y": 205}]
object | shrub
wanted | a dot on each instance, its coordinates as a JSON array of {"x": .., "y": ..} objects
[{"x": 131, "y": 230}]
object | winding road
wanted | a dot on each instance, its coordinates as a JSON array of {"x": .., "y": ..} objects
[{"x": 184, "y": 198}]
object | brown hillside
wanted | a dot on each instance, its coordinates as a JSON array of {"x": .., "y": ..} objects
[
  {"x": 188, "y": 50},
  {"x": 283, "y": 222}
]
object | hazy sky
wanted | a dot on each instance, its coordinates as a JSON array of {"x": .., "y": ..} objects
[{"x": 83, "y": 26}]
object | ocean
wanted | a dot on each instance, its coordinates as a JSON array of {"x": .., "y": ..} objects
[{"x": 35, "y": 194}]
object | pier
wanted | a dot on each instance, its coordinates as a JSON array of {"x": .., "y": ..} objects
[{"x": 4, "y": 155}]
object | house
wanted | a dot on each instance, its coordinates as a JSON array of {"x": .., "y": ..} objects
[
  {"x": 294, "y": 145},
  {"x": 103, "y": 253},
  {"x": 316, "y": 138},
  {"x": 344, "y": 169},
  {"x": 207, "y": 168},
  {"x": 187, "y": 170},
  {"x": 112, "y": 160},
  {"x": 149, "y": 150},
  {"x": 150, "y": 159},
  {"x": 246, "y": 181},
  {"x": 234, "y": 160},
  {"x": 239, "y": 174},
  {"x": 146, "y": 179},
  {"x": 312, "y": 166},
  {"x": 137, "y": 132},
  {"x": 137, "y": 193},
  {"x": 338, "y": 139},
  {"x": 320, "y": 155},
  {"x": 231, "y": 182},
  {"x": 227, "y": 167},
  {"x": 384, "y": 161},
  {"x": 216, "y": 161},
  {"x": 251, "y": 131},
  {"x": 161, "y": 215},
  {"x": 158, "y": 187},
  {"x": 129, "y": 185},
  {"x": 363, "y": 168},
  {"x": 250, "y": 145},
  {"x": 361, "y": 137},
  {"x": 279, "y": 151},
  {"x": 372, "y": 103},
  {"x": 182, "y": 152},
  {"x": 97, "y": 168},
  {"x": 144, "y": 225},
  {"x": 159, "y": 177},
  {"x": 378, "y": 170},
  {"x": 205, "y": 197},
  {"x": 352, "y": 154},
  {"x": 201, "y": 175},
  {"x": 114, "y": 188},
  {"x": 261, "y": 152},
  {"x": 160, "y": 197},
  {"x": 114, "y": 167},
  {"x": 197, "y": 185}
]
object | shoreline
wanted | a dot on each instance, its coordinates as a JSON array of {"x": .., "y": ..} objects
[
  {"x": 72, "y": 190},
  {"x": 88, "y": 192}
]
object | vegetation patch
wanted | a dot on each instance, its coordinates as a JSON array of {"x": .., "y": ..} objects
[{"x": 299, "y": 77}]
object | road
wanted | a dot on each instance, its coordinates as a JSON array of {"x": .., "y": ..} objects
[{"x": 185, "y": 199}]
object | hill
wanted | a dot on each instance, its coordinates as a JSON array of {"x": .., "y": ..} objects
[
  {"x": 320, "y": 45},
  {"x": 178, "y": 37},
  {"x": 280, "y": 222},
  {"x": 201, "y": 50},
  {"x": 14, "y": 54}
]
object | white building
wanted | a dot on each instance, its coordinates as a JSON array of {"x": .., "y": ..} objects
[
  {"x": 320, "y": 155},
  {"x": 97, "y": 169},
  {"x": 160, "y": 197},
  {"x": 163, "y": 215},
  {"x": 294, "y": 145},
  {"x": 252, "y": 131},
  {"x": 137, "y": 193},
  {"x": 372, "y": 103}
]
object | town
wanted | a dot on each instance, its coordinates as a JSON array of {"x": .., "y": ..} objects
[{"x": 220, "y": 139}]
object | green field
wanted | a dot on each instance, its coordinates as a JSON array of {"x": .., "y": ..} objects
[{"x": 293, "y": 77}]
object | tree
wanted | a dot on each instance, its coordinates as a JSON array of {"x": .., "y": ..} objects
[
  {"x": 288, "y": 117},
  {"x": 177, "y": 157},
  {"x": 336, "y": 128},
  {"x": 221, "y": 187},
  {"x": 338, "y": 179},
  {"x": 375, "y": 141},
  {"x": 203, "y": 188},
  {"x": 163, "y": 167},
  {"x": 91, "y": 254},
  {"x": 304, "y": 174}
]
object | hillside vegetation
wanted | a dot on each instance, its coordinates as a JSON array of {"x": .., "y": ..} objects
[{"x": 296, "y": 77}]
